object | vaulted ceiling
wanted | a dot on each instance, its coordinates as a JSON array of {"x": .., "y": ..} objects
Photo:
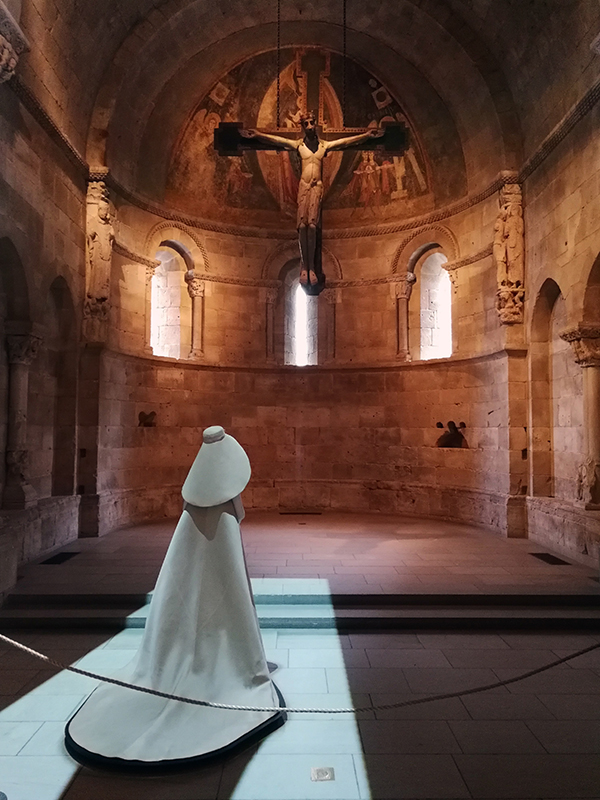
[{"x": 121, "y": 78}]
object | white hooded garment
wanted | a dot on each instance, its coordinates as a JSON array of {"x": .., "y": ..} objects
[{"x": 201, "y": 640}]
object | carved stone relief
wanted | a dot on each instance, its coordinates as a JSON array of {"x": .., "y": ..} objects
[
  {"x": 402, "y": 288},
  {"x": 585, "y": 344},
  {"x": 588, "y": 482},
  {"x": 509, "y": 255},
  {"x": 99, "y": 246},
  {"x": 22, "y": 348},
  {"x": 195, "y": 286},
  {"x": 12, "y": 43}
]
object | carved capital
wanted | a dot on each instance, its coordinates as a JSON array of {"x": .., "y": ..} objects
[
  {"x": 402, "y": 288},
  {"x": 12, "y": 43},
  {"x": 195, "y": 286},
  {"x": 332, "y": 296},
  {"x": 585, "y": 343},
  {"x": 509, "y": 302},
  {"x": 270, "y": 295},
  {"x": 22, "y": 348}
]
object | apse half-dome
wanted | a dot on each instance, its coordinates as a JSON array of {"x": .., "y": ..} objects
[{"x": 260, "y": 188}]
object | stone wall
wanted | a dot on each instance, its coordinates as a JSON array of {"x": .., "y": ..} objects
[
  {"x": 317, "y": 438},
  {"x": 42, "y": 245}
]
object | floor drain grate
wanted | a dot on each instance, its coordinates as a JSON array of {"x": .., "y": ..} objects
[
  {"x": 322, "y": 774},
  {"x": 59, "y": 558},
  {"x": 300, "y": 513},
  {"x": 550, "y": 559}
]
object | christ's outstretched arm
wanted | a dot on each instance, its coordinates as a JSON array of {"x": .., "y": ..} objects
[
  {"x": 348, "y": 141},
  {"x": 281, "y": 141}
]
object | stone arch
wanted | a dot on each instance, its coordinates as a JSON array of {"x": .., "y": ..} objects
[
  {"x": 419, "y": 243},
  {"x": 541, "y": 450},
  {"x": 182, "y": 239},
  {"x": 173, "y": 19},
  {"x": 591, "y": 297},
  {"x": 285, "y": 252}
]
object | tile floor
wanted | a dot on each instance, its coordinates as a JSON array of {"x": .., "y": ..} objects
[
  {"x": 355, "y": 553},
  {"x": 536, "y": 739}
]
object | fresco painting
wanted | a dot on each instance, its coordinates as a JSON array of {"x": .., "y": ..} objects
[{"x": 358, "y": 185}]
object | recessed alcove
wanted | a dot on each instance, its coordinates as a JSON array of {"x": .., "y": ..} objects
[{"x": 171, "y": 305}]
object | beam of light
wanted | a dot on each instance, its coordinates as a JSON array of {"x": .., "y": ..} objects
[
  {"x": 300, "y": 327},
  {"x": 436, "y": 309},
  {"x": 34, "y": 763}
]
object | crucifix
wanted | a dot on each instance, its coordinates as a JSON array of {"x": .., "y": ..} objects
[{"x": 232, "y": 139}]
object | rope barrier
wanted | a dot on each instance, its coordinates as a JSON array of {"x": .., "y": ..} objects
[{"x": 386, "y": 707}]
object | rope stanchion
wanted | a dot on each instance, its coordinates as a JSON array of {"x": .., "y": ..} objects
[{"x": 387, "y": 707}]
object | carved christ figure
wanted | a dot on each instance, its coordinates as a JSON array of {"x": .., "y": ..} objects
[{"x": 312, "y": 151}]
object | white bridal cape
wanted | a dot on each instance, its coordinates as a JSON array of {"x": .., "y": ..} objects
[{"x": 201, "y": 640}]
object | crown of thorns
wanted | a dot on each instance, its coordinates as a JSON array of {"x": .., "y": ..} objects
[{"x": 308, "y": 115}]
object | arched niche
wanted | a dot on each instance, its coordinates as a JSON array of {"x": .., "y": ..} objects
[
  {"x": 53, "y": 397},
  {"x": 556, "y": 400},
  {"x": 14, "y": 319}
]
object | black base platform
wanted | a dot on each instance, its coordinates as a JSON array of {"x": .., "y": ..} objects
[{"x": 168, "y": 766}]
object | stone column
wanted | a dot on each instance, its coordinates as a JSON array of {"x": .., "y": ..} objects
[
  {"x": 22, "y": 349},
  {"x": 585, "y": 342},
  {"x": 196, "y": 288},
  {"x": 332, "y": 297},
  {"x": 402, "y": 291},
  {"x": 270, "y": 298},
  {"x": 148, "y": 309}
]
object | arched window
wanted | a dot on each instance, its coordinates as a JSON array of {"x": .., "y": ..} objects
[
  {"x": 300, "y": 321},
  {"x": 171, "y": 315},
  {"x": 436, "y": 308}
]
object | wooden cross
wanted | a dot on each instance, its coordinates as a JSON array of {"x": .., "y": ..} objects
[
  {"x": 312, "y": 67},
  {"x": 229, "y": 140}
]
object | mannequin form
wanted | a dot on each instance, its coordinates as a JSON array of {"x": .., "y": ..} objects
[{"x": 201, "y": 640}]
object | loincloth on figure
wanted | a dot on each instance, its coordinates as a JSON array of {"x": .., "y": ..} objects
[{"x": 310, "y": 195}]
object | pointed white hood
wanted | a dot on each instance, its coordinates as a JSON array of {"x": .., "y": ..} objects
[{"x": 220, "y": 472}]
